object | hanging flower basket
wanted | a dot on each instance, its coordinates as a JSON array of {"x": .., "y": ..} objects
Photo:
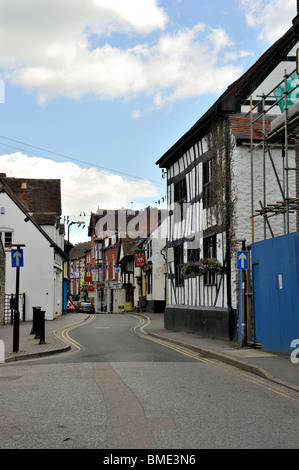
[
  {"x": 201, "y": 267},
  {"x": 209, "y": 264},
  {"x": 190, "y": 268}
]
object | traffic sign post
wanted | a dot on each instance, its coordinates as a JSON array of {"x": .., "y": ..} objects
[
  {"x": 242, "y": 260},
  {"x": 70, "y": 305},
  {"x": 17, "y": 261},
  {"x": 242, "y": 266}
]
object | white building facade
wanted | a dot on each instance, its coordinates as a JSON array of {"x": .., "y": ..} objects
[
  {"x": 218, "y": 177},
  {"x": 41, "y": 277},
  {"x": 155, "y": 270}
]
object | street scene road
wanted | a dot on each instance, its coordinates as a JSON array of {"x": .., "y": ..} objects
[
  {"x": 149, "y": 228},
  {"x": 117, "y": 389}
]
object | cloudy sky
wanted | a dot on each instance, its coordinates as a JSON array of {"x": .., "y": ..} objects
[{"x": 94, "y": 92}]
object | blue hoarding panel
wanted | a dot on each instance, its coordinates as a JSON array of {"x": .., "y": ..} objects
[{"x": 275, "y": 264}]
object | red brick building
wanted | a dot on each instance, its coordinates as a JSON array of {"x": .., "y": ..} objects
[{"x": 112, "y": 232}]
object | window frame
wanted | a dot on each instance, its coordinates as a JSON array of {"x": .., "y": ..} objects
[
  {"x": 7, "y": 245},
  {"x": 178, "y": 262},
  {"x": 193, "y": 254},
  {"x": 149, "y": 282},
  {"x": 210, "y": 251},
  {"x": 180, "y": 195},
  {"x": 207, "y": 182}
]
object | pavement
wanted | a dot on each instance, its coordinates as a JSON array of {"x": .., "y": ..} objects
[{"x": 277, "y": 368}]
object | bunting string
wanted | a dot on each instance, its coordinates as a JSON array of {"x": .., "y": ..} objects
[{"x": 67, "y": 218}]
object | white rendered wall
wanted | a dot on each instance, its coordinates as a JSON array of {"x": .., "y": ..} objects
[
  {"x": 158, "y": 239},
  {"x": 242, "y": 185},
  {"x": 41, "y": 277}
]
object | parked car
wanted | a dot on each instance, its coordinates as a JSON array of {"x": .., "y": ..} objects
[{"x": 85, "y": 306}]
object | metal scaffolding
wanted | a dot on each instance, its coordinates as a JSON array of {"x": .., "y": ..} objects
[{"x": 284, "y": 130}]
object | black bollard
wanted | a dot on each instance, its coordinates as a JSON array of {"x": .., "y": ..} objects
[
  {"x": 42, "y": 327},
  {"x": 37, "y": 325},
  {"x": 35, "y": 320},
  {"x": 16, "y": 331}
]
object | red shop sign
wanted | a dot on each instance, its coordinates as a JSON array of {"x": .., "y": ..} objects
[{"x": 139, "y": 259}]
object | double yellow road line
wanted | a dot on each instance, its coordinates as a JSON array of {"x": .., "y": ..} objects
[
  {"x": 71, "y": 341},
  {"x": 145, "y": 321}
]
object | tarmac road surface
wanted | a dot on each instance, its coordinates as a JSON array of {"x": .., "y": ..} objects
[{"x": 118, "y": 390}]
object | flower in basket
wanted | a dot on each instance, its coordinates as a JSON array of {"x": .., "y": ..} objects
[
  {"x": 202, "y": 266},
  {"x": 209, "y": 264},
  {"x": 190, "y": 267}
]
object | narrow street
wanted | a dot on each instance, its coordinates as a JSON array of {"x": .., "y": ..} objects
[
  {"x": 149, "y": 228},
  {"x": 117, "y": 390}
]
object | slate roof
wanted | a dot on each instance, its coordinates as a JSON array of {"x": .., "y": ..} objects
[
  {"x": 79, "y": 250},
  {"x": 42, "y": 197},
  {"x": 5, "y": 188},
  {"x": 130, "y": 245}
]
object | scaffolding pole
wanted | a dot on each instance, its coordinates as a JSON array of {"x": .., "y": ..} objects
[{"x": 289, "y": 128}]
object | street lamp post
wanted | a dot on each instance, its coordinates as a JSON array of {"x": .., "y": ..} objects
[{"x": 68, "y": 244}]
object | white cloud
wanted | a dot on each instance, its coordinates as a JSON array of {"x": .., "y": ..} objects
[
  {"x": 31, "y": 25},
  {"x": 34, "y": 31},
  {"x": 52, "y": 52},
  {"x": 82, "y": 189},
  {"x": 273, "y": 18},
  {"x": 178, "y": 66},
  {"x": 136, "y": 113},
  {"x": 233, "y": 56}
]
